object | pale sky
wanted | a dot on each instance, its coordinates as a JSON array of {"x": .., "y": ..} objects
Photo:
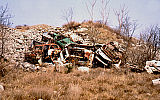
[{"x": 32, "y": 12}]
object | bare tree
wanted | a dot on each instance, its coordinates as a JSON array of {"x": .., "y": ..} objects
[
  {"x": 68, "y": 15},
  {"x": 104, "y": 11},
  {"x": 90, "y": 8},
  {"x": 121, "y": 14},
  {"x": 4, "y": 23},
  {"x": 148, "y": 47},
  {"x": 152, "y": 40},
  {"x": 126, "y": 28}
]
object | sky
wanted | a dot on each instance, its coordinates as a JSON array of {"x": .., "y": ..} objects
[{"x": 32, "y": 12}]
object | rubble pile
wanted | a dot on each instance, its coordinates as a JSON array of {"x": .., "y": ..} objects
[
  {"x": 19, "y": 40},
  {"x": 32, "y": 46},
  {"x": 61, "y": 46}
]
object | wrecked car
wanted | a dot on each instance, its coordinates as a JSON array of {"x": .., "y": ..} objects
[
  {"x": 77, "y": 55},
  {"x": 62, "y": 43},
  {"x": 59, "y": 39},
  {"x": 43, "y": 53},
  {"x": 108, "y": 54}
]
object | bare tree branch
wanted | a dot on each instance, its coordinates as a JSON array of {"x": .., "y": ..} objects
[
  {"x": 4, "y": 22},
  {"x": 91, "y": 9},
  {"x": 104, "y": 12},
  {"x": 68, "y": 15},
  {"x": 121, "y": 16}
]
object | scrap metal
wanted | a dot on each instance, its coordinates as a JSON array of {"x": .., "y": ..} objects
[{"x": 73, "y": 47}]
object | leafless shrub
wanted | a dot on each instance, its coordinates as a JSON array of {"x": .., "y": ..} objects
[
  {"x": 121, "y": 14},
  {"x": 104, "y": 11},
  {"x": 126, "y": 28},
  {"x": 93, "y": 34},
  {"x": 152, "y": 42},
  {"x": 68, "y": 15},
  {"x": 4, "y": 23},
  {"x": 146, "y": 49},
  {"x": 90, "y": 8},
  {"x": 25, "y": 27},
  {"x": 2, "y": 68}
]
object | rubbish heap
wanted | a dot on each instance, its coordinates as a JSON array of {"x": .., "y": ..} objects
[
  {"x": 73, "y": 47},
  {"x": 30, "y": 47}
]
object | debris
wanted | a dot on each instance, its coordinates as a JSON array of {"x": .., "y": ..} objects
[
  {"x": 135, "y": 68},
  {"x": 76, "y": 38},
  {"x": 117, "y": 65},
  {"x": 1, "y": 88},
  {"x": 83, "y": 69},
  {"x": 42, "y": 53},
  {"x": 108, "y": 54},
  {"x": 77, "y": 55},
  {"x": 156, "y": 81},
  {"x": 81, "y": 30},
  {"x": 60, "y": 47},
  {"x": 152, "y": 66}
]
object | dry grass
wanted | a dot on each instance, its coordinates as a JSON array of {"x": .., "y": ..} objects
[
  {"x": 104, "y": 33},
  {"x": 71, "y": 25},
  {"x": 99, "y": 83}
]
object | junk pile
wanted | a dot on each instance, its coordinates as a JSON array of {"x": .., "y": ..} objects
[
  {"x": 72, "y": 47},
  {"x": 63, "y": 47}
]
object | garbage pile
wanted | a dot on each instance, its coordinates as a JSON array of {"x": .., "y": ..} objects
[
  {"x": 72, "y": 47},
  {"x": 41, "y": 44}
]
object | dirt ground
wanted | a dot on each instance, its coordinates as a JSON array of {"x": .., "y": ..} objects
[{"x": 99, "y": 83}]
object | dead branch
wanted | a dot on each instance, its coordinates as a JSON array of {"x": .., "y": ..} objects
[
  {"x": 68, "y": 15},
  {"x": 91, "y": 9},
  {"x": 104, "y": 12}
]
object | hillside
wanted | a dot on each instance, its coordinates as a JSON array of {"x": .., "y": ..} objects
[{"x": 26, "y": 81}]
